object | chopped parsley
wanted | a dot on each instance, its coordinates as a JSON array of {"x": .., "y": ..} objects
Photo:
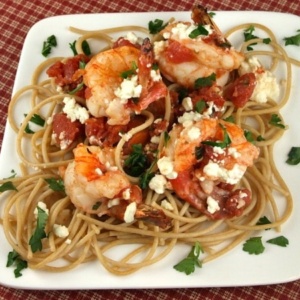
[
  {"x": 48, "y": 44},
  {"x": 293, "y": 40},
  {"x": 200, "y": 106},
  {"x": 137, "y": 161},
  {"x": 263, "y": 221},
  {"x": 36, "y": 119},
  {"x": 84, "y": 45},
  {"x": 7, "y": 186},
  {"x": 276, "y": 121},
  {"x": 36, "y": 239},
  {"x": 279, "y": 241},
  {"x": 248, "y": 36},
  {"x": 77, "y": 89},
  {"x": 130, "y": 72},
  {"x": 249, "y": 136},
  {"x": 200, "y": 30},
  {"x": 205, "y": 81},
  {"x": 166, "y": 137},
  {"x": 156, "y": 26},
  {"x": 294, "y": 156},
  {"x": 14, "y": 259},
  {"x": 254, "y": 245},
  {"x": 222, "y": 144},
  {"x": 56, "y": 185},
  {"x": 188, "y": 264}
]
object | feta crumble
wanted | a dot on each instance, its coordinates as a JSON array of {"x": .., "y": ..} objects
[
  {"x": 130, "y": 212},
  {"x": 74, "y": 111},
  {"x": 60, "y": 230}
]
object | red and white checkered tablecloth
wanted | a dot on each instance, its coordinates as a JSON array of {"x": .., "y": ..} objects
[{"x": 16, "y": 18}]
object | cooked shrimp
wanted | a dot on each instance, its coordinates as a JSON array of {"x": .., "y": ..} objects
[
  {"x": 103, "y": 78},
  {"x": 121, "y": 82},
  {"x": 203, "y": 159},
  {"x": 187, "y": 53},
  {"x": 96, "y": 186}
]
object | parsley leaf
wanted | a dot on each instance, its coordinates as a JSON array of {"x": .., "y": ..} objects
[
  {"x": 200, "y": 106},
  {"x": 7, "y": 186},
  {"x": 36, "y": 239},
  {"x": 293, "y": 40},
  {"x": 36, "y": 119},
  {"x": 188, "y": 264},
  {"x": 294, "y": 156},
  {"x": 254, "y": 246},
  {"x": 200, "y": 30},
  {"x": 56, "y": 185},
  {"x": 48, "y": 44},
  {"x": 84, "y": 45},
  {"x": 222, "y": 144},
  {"x": 131, "y": 71},
  {"x": 15, "y": 259},
  {"x": 205, "y": 81},
  {"x": 78, "y": 88},
  {"x": 279, "y": 241},
  {"x": 248, "y": 135},
  {"x": 156, "y": 26},
  {"x": 276, "y": 121},
  {"x": 264, "y": 221},
  {"x": 248, "y": 35},
  {"x": 137, "y": 161}
]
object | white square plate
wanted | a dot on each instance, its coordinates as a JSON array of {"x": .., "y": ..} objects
[{"x": 237, "y": 268}]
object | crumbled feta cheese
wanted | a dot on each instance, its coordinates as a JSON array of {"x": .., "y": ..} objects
[
  {"x": 233, "y": 176},
  {"x": 158, "y": 48},
  {"x": 187, "y": 103},
  {"x": 131, "y": 37},
  {"x": 158, "y": 183},
  {"x": 218, "y": 150},
  {"x": 126, "y": 194},
  {"x": 194, "y": 133},
  {"x": 233, "y": 152},
  {"x": 155, "y": 139},
  {"x": 60, "y": 230},
  {"x": 183, "y": 30},
  {"x": 166, "y": 167},
  {"x": 266, "y": 85},
  {"x": 74, "y": 111},
  {"x": 129, "y": 88},
  {"x": 188, "y": 118},
  {"x": 166, "y": 205},
  {"x": 130, "y": 212},
  {"x": 42, "y": 206},
  {"x": 98, "y": 171},
  {"x": 68, "y": 241},
  {"x": 113, "y": 202},
  {"x": 125, "y": 136},
  {"x": 155, "y": 75},
  {"x": 212, "y": 205}
]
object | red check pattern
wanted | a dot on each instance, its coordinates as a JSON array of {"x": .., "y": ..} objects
[{"x": 16, "y": 18}]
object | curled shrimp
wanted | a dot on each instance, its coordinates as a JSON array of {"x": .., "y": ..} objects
[
  {"x": 203, "y": 160},
  {"x": 102, "y": 78},
  {"x": 95, "y": 185},
  {"x": 121, "y": 82},
  {"x": 195, "y": 50}
]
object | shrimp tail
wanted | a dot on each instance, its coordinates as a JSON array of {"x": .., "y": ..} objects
[
  {"x": 152, "y": 89},
  {"x": 152, "y": 215},
  {"x": 201, "y": 17}
]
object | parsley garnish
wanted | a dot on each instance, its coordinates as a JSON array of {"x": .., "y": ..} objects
[
  {"x": 36, "y": 119},
  {"x": 230, "y": 119},
  {"x": 131, "y": 71},
  {"x": 56, "y": 185},
  {"x": 294, "y": 156},
  {"x": 147, "y": 176},
  {"x": 156, "y": 26},
  {"x": 248, "y": 35},
  {"x": 205, "y": 81},
  {"x": 36, "y": 239},
  {"x": 200, "y": 106},
  {"x": 166, "y": 137},
  {"x": 78, "y": 88},
  {"x": 293, "y": 40},
  {"x": 188, "y": 264},
  {"x": 248, "y": 135},
  {"x": 276, "y": 121},
  {"x": 199, "y": 152},
  {"x": 200, "y": 30},
  {"x": 264, "y": 221},
  {"x": 15, "y": 259},
  {"x": 279, "y": 241},
  {"x": 84, "y": 45},
  {"x": 254, "y": 245},
  {"x": 48, "y": 44},
  {"x": 260, "y": 138},
  {"x": 222, "y": 144},
  {"x": 137, "y": 161},
  {"x": 7, "y": 186}
]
